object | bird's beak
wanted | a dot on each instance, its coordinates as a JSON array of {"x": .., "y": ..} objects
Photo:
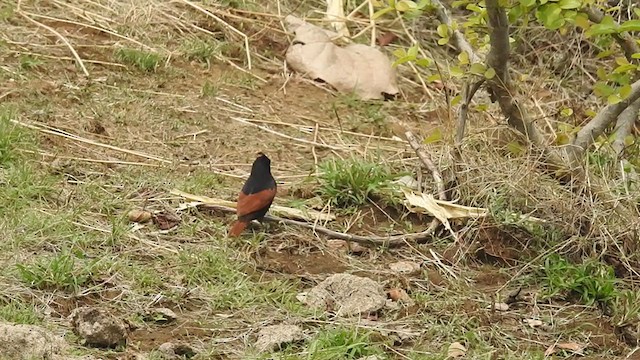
[{"x": 259, "y": 153}]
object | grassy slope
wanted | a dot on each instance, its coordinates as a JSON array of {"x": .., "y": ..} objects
[{"x": 67, "y": 241}]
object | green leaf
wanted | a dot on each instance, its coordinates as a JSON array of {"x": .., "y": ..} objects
[
  {"x": 622, "y": 60},
  {"x": 435, "y": 136},
  {"x": 566, "y": 112},
  {"x": 477, "y": 69},
  {"x": 490, "y": 73},
  {"x": 463, "y": 57},
  {"x": 629, "y": 140},
  {"x": 413, "y": 51},
  {"x": 613, "y": 99},
  {"x": 624, "y": 69},
  {"x": 424, "y": 62},
  {"x": 400, "y": 52},
  {"x": 569, "y": 4},
  {"x": 606, "y": 26},
  {"x": 631, "y": 25},
  {"x": 443, "y": 30},
  {"x": 602, "y": 73},
  {"x": 402, "y": 60},
  {"x": 602, "y": 89},
  {"x": 443, "y": 41},
  {"x": 515, "y": 148},
  {"x": 635, "y": 56},
  {"x": 406, "y": 5},
  {"x": 582, "y": 20},
  {"x": 434, "y": 77},
  {"x": 625, "y": 91},
  {"x": 455, "y": 71},
  {"x": 475, "y": 8},
  {"x": 456, "y": 100},
  {"x": 604, "y": 54},
  {"x": 550, "y": 15},
  {"x": 527, "y": 2},
  {"x": 381, "y": 12}
]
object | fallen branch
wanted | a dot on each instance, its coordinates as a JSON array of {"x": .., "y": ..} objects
[
  {"x": 426, "y": 160},
  {"x": 387, "y": 241},
  {"x": 304, "y": 141}
]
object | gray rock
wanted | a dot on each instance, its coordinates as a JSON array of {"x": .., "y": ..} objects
[
  {"x": 98, "y": 328},
  {"x": 272, "y": 337},
  {"x": 172, "y": 351},
  {"x": 18, "y": 342},
  {"x": 347, "y": 295}
]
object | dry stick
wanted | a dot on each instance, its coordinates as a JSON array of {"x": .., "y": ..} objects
[
  {"x": 244, "y": 36},
  {"x": 92, "y": 27},
  {"x": 287, "y": 136},
  {"x": 426, "y": 160},
  {"x": 468, "y": 92},
  {"x": 389, "y": 241},
  {"x": 62, "y": 38},
  {"x": 87, "y": 141}
]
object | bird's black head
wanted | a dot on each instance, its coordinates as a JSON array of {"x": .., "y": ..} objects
[{"x": 261, "y": 164}]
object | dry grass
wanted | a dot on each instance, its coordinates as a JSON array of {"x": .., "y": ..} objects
[{"x": 167, "y": 105}]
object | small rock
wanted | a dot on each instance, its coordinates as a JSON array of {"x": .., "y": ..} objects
[
  {"x": 397, "y": 294},
  {"x": 139, "y": 216},
  {"x": 347, "y": 295},
  {"x": 18, "y": 342},
  {"x": 405, "y": 267},
  {"x": 272, "y": 337},
  {"x": 172, "y": 351},
  {"x": 336, "y": 244},
  {"x": 98, "y": 328},
  {"x": 356, "y": 248},
  {"x": 161, "y": 315}
]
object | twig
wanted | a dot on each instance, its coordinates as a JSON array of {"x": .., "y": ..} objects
[
  {"x": 62, "y": 38},
  {"x": 459, "y": 40},
  {"x": 624, "y": 126},
  {"x": 64, "y": 134},
  {"x": 426, "y": 160},
  {"x": 287, "y": 136},
  {"x": 468, "y": 92}
]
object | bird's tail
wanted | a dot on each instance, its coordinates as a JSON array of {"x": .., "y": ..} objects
[{"x": 237, "y": 228}]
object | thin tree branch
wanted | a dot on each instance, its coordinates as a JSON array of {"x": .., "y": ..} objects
[
  {"x": 468, "y": 92},
  {"x": 371, "y": 241},
  {"x": 626, "y": 42},
  {"x": 599, "y": 123},
  {"x": 426, "y": 160},
  {"x": 624, "y": 126},
  {"x": 459, "y": 41}
]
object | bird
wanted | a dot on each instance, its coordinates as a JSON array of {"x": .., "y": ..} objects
[{"x": 256, "y": 196}]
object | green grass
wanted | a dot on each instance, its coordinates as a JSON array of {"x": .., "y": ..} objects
[
  {"x": 143, "y": 60},
  {"x": 201, "y": 50},
  {"x": 19, "y": 312},
  {"x": 62, "y": 271},
  {"x": 592, "y": 281},
  {"x": 343, "y": 343},
  {"x": 352, "y": 182}
]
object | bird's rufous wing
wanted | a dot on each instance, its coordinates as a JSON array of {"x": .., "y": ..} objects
[{"x": 254, "y": 202}]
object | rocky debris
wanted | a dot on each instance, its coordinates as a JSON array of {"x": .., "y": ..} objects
[
  {"x": 272, "y": 337},
  {"x": 98, "y": 328},
  {"x": 173, "y": 351},
  {"x": 160, "y": 316},
  {"x": 346, "y": 295},
  {"x": 21, "y": 341},
  {"x": 405, "y": 267}
]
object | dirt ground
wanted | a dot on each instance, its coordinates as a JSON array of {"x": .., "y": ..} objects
[{"x": 123, "y": 138}]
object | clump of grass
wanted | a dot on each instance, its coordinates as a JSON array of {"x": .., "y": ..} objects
[
  {"x": 143, "y": 60},
  {"x": 351, "y": 182},
  {"x": 592, "y": 281},
  {"x": 58, "y": 272},
  {"x": 200, "y": 50},
  {"x": 18, "y": 312},
  {"x": 343, "y": 343},
  {"x": 28, "y": 62},
  {"x": 12, "y": 137}
]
